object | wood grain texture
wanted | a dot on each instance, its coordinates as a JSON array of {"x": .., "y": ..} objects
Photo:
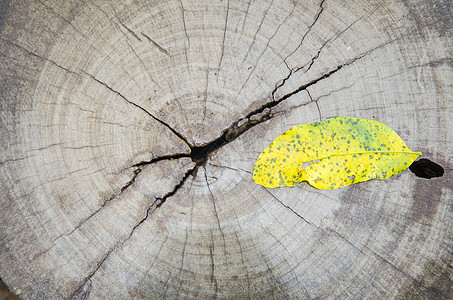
[{"x": 105, "y": 103}]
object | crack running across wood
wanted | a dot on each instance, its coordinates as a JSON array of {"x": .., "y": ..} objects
[{"x": 201, "y": 154}]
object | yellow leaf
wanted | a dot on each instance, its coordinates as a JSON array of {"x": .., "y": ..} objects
[{"x": 332, "y": 154}]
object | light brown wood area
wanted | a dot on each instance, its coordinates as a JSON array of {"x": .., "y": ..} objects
[{"x": 129, "y": 132}]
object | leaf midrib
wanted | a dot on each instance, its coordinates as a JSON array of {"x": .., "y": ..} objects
[{"x": 366, "y": 152}]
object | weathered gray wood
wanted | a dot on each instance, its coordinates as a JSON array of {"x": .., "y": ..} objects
[{"x": 102, "y": 104}]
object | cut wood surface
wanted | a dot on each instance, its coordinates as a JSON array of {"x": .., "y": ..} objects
[{"x": 130, "y": 129}]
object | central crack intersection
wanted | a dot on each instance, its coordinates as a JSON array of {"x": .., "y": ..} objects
[{"x": 200, "y": 154}]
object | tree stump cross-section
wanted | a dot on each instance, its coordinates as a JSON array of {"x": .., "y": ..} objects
[{"x": 129, "y": 132}]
